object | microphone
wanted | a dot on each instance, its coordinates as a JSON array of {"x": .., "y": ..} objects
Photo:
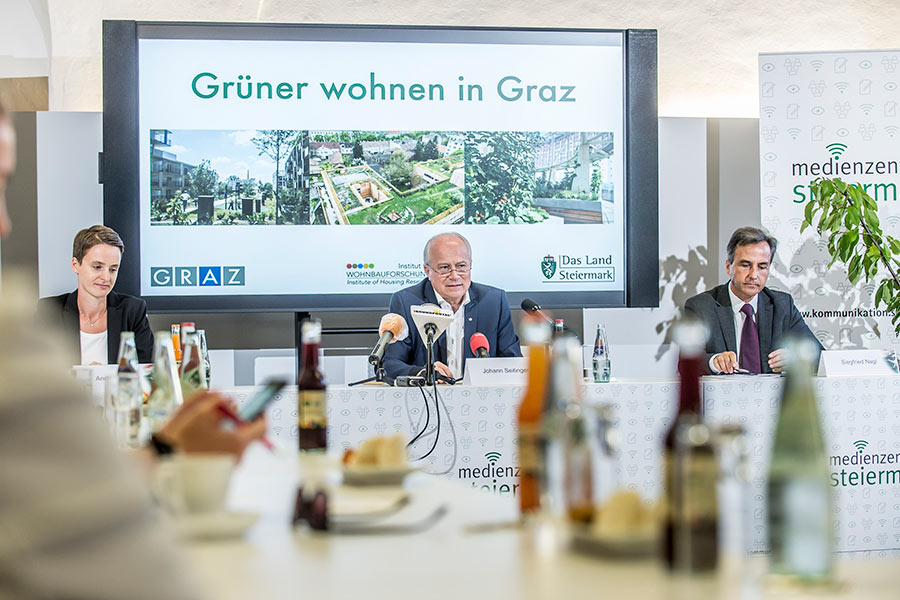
[
  {"x": 530, "y": 306},
  {"x": 392, "y": 328},
  {"x": 431, "y": 320},
  {"x": 479, "y": 345}
]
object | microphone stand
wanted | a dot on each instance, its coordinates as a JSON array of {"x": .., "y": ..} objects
[
  {"x": 378, "y": 377},
  {"x": 430, "y": 330}
]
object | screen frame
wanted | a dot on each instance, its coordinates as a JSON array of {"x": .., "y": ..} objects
[{"x": 120, "y": 159}]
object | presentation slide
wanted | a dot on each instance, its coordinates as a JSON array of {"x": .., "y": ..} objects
[{"x": 275, "y": 167}]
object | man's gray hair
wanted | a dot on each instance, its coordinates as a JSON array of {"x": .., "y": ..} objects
[
  {"x": 747, "y": 236},
  {"x": 426, "y": 252}
]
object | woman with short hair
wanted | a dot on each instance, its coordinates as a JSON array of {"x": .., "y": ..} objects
[{"x": 93, "y": 312}]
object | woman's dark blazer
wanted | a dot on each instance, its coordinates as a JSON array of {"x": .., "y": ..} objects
[{"x": 123, "y": 313}]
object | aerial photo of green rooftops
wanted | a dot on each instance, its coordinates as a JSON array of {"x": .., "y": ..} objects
[
  {"x": 383, "y": 177},
  {"x": 300, "y": 177}
]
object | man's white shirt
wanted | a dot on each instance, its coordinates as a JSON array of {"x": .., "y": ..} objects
[
  {"x": 456, "y": 332},
  {"x": 739, "y": 317}
]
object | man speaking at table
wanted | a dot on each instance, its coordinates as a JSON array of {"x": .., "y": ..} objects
[
  {"x": 747, "y": 320},
  {"x": 476, "y": 308}
]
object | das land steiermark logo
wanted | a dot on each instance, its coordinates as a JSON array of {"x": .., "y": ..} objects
[{"x": 548, "y": 266}]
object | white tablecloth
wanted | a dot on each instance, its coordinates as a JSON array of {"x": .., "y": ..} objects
[{"x": 477, "y": 438}]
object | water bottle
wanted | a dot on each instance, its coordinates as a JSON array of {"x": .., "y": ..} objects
[{"x": 601, "y": 356}]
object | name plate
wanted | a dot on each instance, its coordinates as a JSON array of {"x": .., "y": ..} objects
[
  {"x": 850, "y": 363},
  {"x": 93, "y": 380},
  {"x": 495, "y": 371}
]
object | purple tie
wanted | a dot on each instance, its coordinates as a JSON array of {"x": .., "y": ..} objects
[{"x": 749, "y": 342}]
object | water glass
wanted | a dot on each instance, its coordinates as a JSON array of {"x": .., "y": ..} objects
[{"x": 123, "y": 408}]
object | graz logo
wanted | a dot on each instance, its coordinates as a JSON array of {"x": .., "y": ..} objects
[
  {"x": 197, "y": 276},
  {"x": 548, "y": 266}
]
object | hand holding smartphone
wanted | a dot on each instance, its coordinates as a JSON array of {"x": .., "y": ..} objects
[{"x": 257, "y": 404}]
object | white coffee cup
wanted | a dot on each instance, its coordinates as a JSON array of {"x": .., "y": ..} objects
[{"x": 194, "y": 483}]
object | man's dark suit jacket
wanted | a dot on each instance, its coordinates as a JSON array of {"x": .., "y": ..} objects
[
  {"x": 123, "y": 313},
  {"x": 776, "y": 316},
  {"x": 487, "y": 312}
]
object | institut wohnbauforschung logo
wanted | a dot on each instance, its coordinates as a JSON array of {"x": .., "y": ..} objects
[{"x": 224, "y": 276}]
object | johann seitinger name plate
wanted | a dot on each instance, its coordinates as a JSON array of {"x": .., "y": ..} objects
[
  {"x": 857, "y": 363},
  {"x": 495, "y": 371}
]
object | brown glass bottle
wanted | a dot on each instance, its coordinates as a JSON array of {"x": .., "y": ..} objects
[
  {"x": 311, "y": 407},
  {"x": 690, "y": 521},
  {"x": 536, "y": 334}
]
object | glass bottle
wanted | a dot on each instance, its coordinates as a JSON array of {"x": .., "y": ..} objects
[
  {"x": 128, "y": 362},
  {"x": 559, "y": 327},
  {"x": 127, "y": 409},
  {"x": 191, "y": 372},
  {"x": 128, "y": 358},
  {"x": 799, "y": 491},
  {"x": 536, "y": 334},
  {"x": 578, "y": 474},
  {"x": 165, "y": 394},
  {"x": 311, "y": 406},
  {"x": 204, "y": 356},
  {"x": 601, "y": 356},
  {"x": 690, "y": 518},
  {"x": 564, "y": 389},
  {"x": 175, "y": 330}
]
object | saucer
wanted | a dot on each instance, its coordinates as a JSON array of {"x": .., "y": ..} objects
[
  {"x": 636, "y": 546},
  {"x": 376, "y": 475},
  {"x": 213, "y": 525}
]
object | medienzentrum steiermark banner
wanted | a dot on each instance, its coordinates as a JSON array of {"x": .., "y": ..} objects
[{"x": 828, "y": 114}]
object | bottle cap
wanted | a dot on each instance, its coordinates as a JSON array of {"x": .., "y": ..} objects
[
  {"x": 690, "y": 335},
  {"x": 311, "y": 332}
]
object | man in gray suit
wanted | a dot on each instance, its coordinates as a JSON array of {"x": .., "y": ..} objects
[{"x": 747, "y": 320}]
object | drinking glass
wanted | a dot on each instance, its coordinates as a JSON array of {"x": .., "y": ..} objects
[{"x": 123, "y": 408}]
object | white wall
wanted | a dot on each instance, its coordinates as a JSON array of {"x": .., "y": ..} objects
[
  {"x": 638, "y": 336},
  {"x": 707, "y": 48},
  {"x": 69, "y": 196}
]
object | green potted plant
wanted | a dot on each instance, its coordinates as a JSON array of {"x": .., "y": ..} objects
[{"x": 847, "y": 217}]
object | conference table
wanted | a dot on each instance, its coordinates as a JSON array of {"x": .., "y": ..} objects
[
  {"x": 475, "y": 444},
  {"x": 474, "y": 550},
  {"x": 469, "y": 545}
]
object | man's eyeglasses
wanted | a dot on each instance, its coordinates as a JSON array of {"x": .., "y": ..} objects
[{"x": 444, "y": 270}]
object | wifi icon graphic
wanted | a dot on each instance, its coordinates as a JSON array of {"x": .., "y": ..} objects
[
  {"x": 866, "y": 108},
  {"x": 860, "y": 445},
  {"x": 836, "y": 149},
  {"x": 769, "y": 111},
  {"x": 794, "y": 133},
  {"x": 842, "y": 86},
  {"x": 492, "y": 457},
  {"x": 891, "y": 130},
  {"x": 817, "y": 65}
]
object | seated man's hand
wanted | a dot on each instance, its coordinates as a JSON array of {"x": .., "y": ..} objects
[
  {"x": 776, "y": 360},
  {"x": 443, "y": 370},
  {"x": 197, "y": 427},
  {"x": 725, "y": 362}
]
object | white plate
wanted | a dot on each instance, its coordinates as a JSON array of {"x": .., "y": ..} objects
[
  {"x": 213, "y": 525},
  {"x": 623, "y": 547},
  {"x": 354, "y": 475}
]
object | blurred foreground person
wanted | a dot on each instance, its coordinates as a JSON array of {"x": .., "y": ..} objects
[{"x": 75, "y": 520}]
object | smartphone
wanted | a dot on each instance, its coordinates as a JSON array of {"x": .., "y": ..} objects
[{"x": 254, "y": 407}]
